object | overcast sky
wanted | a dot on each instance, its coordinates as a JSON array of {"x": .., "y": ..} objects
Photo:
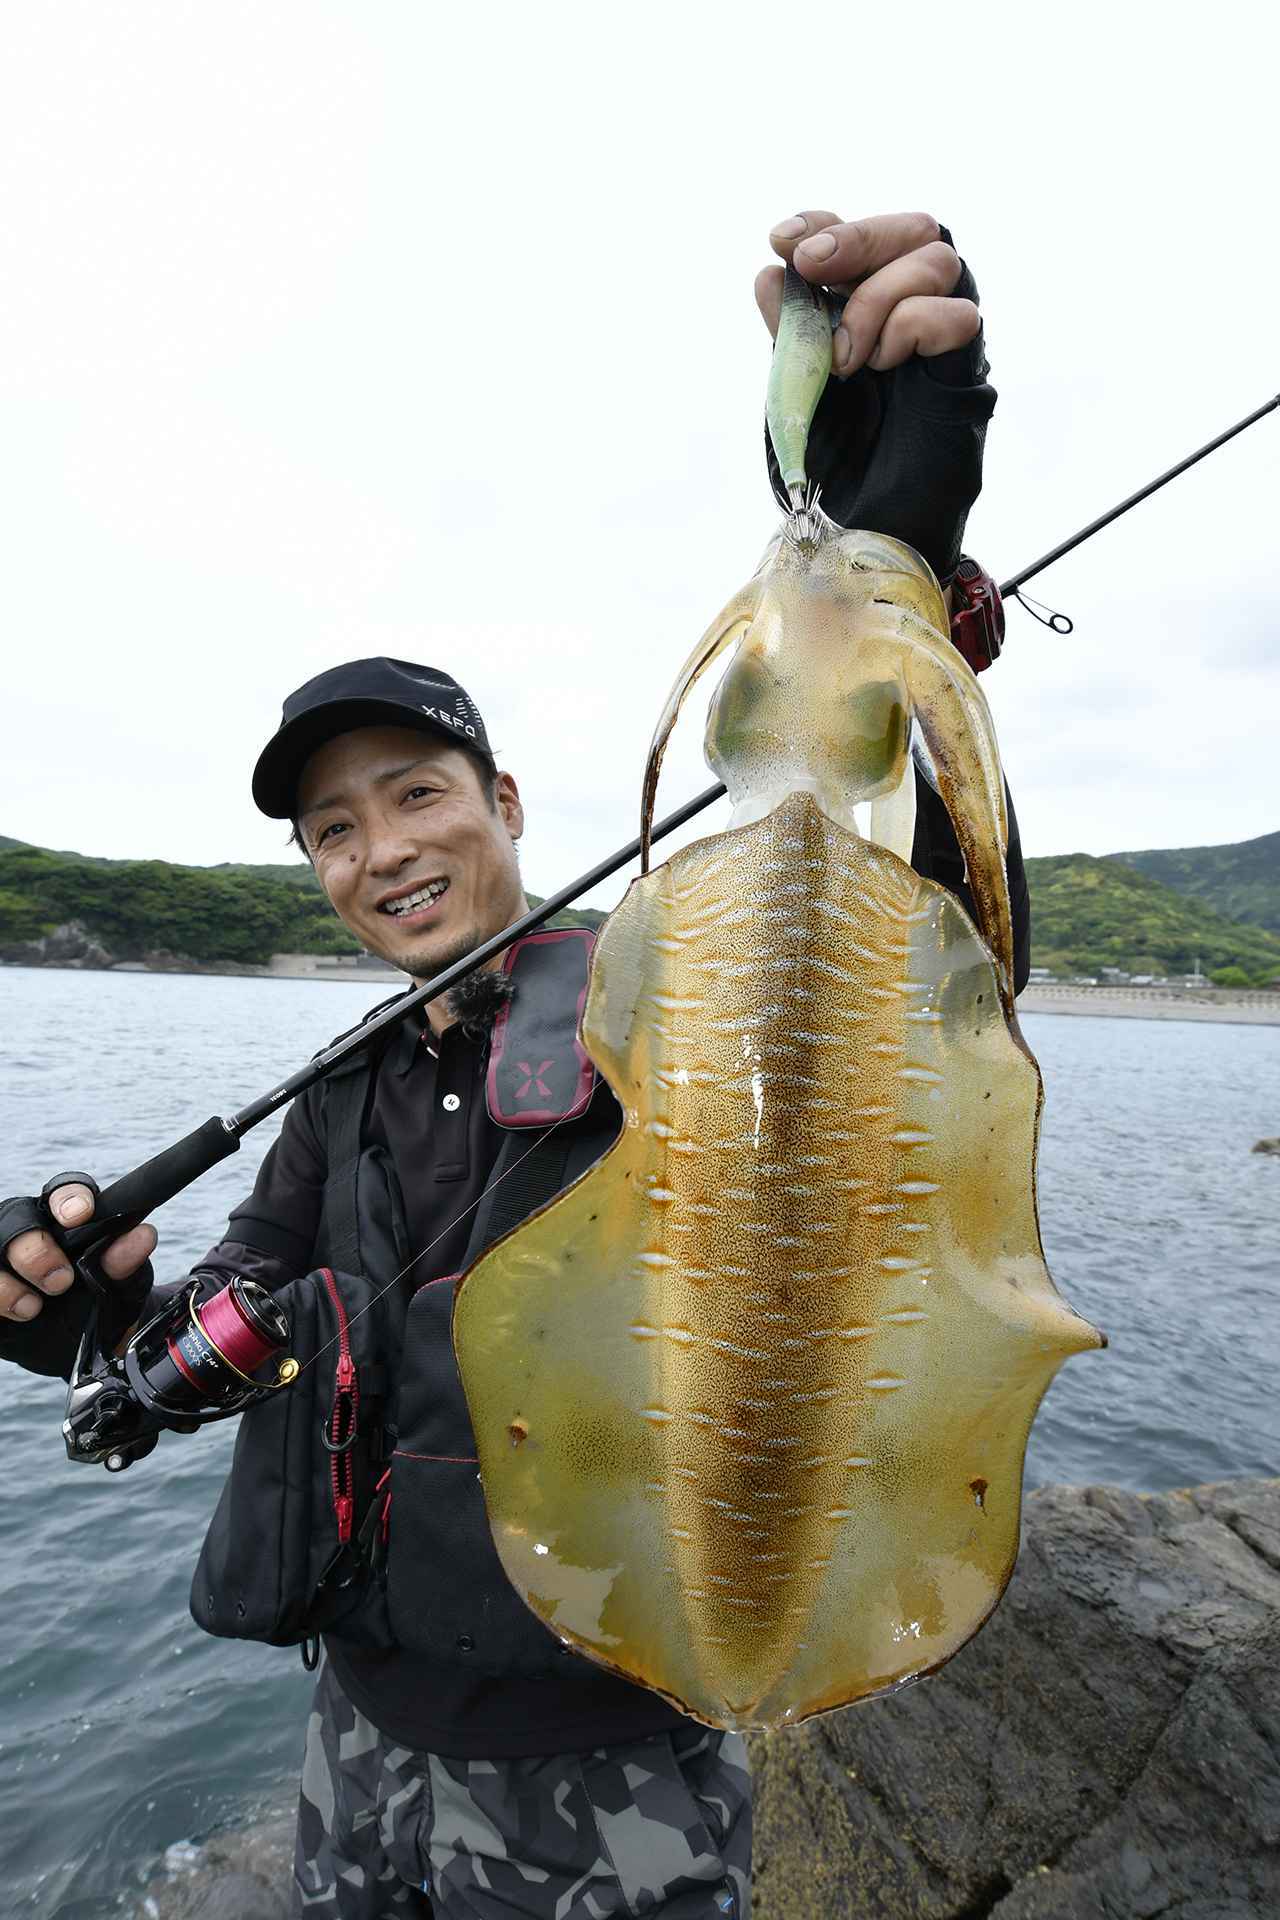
[{"x": 332, "y": 330}]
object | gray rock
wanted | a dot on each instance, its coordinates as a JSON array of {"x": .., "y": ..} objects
[
  {"x": 75, "y": 945},
  {"x": 1108, "y": 1748},
  {"x": 71, "y": 945},
  {"x": 242, "y": 1873},
  {"x": 238, "y": 1896}
]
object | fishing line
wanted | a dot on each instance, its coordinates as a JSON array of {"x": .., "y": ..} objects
[{"x": 544, "y": 1133}]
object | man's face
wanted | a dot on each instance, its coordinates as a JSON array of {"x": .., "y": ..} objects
[{"x": 405, "y": 842}]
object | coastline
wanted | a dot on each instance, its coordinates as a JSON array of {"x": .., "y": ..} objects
[
  {"x": 1229, "y": 1006},
  {"x": 344, "y": 968}
]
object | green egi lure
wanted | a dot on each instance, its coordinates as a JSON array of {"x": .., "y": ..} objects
[{"x": 800, "y": 370}]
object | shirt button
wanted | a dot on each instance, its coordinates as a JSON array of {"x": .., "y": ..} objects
[{"x": 451, "y": 1103}]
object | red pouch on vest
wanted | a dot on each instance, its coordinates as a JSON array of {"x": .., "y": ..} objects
[{"x": 539, "y": 1070}]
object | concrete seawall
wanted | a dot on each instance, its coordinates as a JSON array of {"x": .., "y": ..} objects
[
  {"x": 338, "y": 966},
  {"x": 1223, "y": 1004}
]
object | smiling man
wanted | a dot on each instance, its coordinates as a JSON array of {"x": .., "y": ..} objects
[
  {"x": 384, "y": 767},
  {"x": 462, "y": 1756},
  {"x": 385, "y": 770}
]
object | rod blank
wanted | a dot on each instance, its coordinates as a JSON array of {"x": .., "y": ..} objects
[{"x": 1153, "y": 486}]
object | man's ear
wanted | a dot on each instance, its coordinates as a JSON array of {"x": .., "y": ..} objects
[{"x": 507, "y": 798}]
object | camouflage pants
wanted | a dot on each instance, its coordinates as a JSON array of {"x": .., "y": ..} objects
[{"x": 661, "y": 1827}]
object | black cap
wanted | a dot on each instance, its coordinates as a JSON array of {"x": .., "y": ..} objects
[{"x": 361, "y": 693}]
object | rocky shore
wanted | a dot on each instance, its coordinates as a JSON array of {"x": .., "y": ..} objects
[{"x": 1109, "y": 1745}]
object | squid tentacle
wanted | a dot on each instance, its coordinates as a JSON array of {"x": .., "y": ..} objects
[
  {"x": 956, "y": 722},
  {"x": 729, "y": 624}
]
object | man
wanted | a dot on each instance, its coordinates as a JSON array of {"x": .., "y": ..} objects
[{"x": 486, "y": 1767}]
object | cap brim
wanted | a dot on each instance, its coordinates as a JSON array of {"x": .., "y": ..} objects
[{"x": 280, "y": 764}]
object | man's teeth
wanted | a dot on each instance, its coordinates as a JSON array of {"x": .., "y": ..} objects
[{"x": 412, "y": 902}]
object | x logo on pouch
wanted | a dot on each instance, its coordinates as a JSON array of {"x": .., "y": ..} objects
[{"x": 535, "y": 1079}]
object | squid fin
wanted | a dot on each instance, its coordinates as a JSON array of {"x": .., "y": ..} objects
[{"x": 728, "y": 624}]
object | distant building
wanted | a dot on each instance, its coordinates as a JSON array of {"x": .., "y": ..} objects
[
  {"x": 1040, "y": 973},
  {"x": 1113, "y": 976}
]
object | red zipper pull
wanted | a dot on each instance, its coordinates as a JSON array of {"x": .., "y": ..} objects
[
  {"x": 344, "y": 1507},
  {"x": 346, "y": 1373}
]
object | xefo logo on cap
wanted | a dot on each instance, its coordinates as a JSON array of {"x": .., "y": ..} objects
[{"x": 448, "y": 720}]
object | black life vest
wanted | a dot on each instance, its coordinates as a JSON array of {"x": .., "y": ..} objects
[{"x": 354, "y": 1505}]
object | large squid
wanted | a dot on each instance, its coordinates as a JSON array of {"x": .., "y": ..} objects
[{"x": 751, "y": 1399}]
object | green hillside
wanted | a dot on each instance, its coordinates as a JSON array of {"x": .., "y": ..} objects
[
  {"x": 1088, "y": 913},
  {"x": 238, "y": 913},
  {"x": 94, "y": 859},
  {"x": 297, "y": 873},
  {"x": 134, "y": 906},
  {"x": 1241, "y": 880}
]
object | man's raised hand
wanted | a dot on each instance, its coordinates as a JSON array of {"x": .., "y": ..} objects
[
  {"x": 897, "y": 275},
  {"x": 897, "y": 438}
]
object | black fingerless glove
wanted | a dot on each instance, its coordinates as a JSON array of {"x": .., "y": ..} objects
[
  {"x": 901, "y": 452},
  {"x": 48, "y": 1343}
]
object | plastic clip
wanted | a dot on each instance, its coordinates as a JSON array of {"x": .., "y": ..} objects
[{"x": 338, "y": 1446}]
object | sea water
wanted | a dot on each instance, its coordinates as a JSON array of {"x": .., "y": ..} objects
[{"x": 125, "y": 1732}]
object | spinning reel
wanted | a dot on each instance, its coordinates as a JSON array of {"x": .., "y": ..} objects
[{"x": 194, "y": 1362}]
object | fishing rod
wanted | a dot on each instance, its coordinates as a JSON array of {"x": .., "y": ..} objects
[
  {"x": 129, "y": 1199},
  {"x": 137, "y": 1193}
]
